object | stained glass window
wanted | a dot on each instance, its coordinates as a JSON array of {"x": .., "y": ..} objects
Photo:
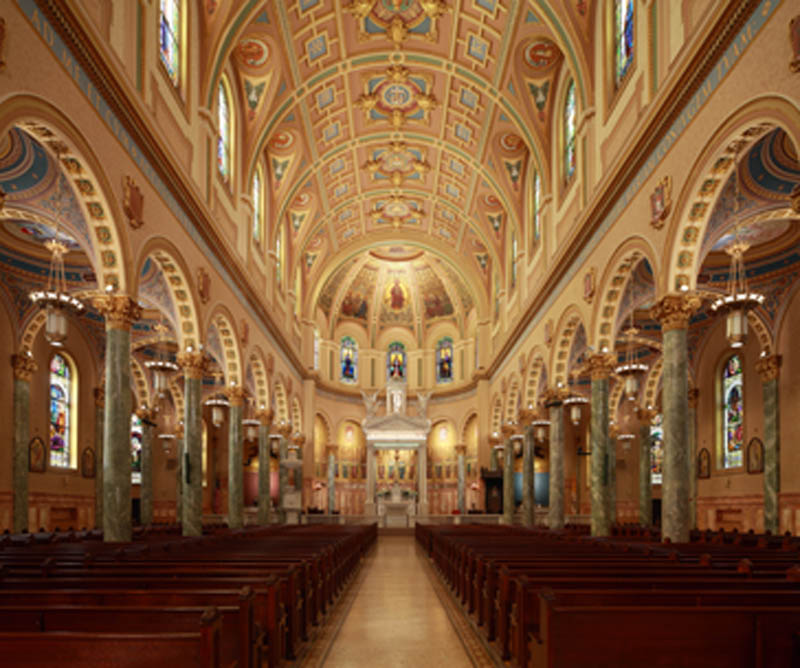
[
  {"x": 170, "y": 38},
  {"x": 657, "y": 450},
  {"x": 61, "y": 411},
  {"x": 279, "y": 256},
  {"x": 224, "y": 137},
  {"x": 349, "y": 360},
  {"x": 444, "y": 360},
  {"x": 257, "y": 209},
  {"x": 570, "y": 124},
  {"x": 732, "y": 412},
  {"x": 136, "y": 449},
  {"x": 537, "y": 199},
  {"x": 623, "y": 38},
  {"x": 396, "y": 361},
  {"x": 316, "y": 349}
]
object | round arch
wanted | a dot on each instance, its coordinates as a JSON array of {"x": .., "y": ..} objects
[
  {"x": 715, "y": 163},
  {"x": 110, "y": 254},
  {"x": 221, "y": 319},
  {"x": 176, "y": 274},
  {"x": 258, "y": 368},
  {"x": 568, "y": 325}
]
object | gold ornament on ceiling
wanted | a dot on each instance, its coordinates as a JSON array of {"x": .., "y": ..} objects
[
  {"x": 397, "y": 210},
  {"x": 401, "y": 96},
  {"x": 398, "y": 20},
  {"x": 397, "y": 163}
]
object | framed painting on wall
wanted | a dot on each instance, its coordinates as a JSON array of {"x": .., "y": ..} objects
[
  {"x": 704, "y": 463},
  {"x": 755, "y": 455},
  {"x": 88, "y": 463},
  {"x": 37, "y": 461}
]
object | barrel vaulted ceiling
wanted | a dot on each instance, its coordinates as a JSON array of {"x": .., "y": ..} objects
[{"x": 386, "y": 122}]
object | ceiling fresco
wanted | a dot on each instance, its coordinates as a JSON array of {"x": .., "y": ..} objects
[{"x": 413, "y": 120}]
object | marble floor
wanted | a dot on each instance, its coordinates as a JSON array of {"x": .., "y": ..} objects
[{"x": 396, "y": 617}]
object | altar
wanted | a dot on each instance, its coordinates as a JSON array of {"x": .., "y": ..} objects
[
  {"x": 396, "y": 512},
  {"x": 396, "y": 430}
]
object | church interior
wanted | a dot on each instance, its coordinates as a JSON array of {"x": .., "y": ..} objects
[{"x": 472, "y": 290}]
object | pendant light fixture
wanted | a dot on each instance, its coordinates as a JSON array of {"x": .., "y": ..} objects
[
  {"x": 55, "y": 299},
  {"x": 630, "y": 370},
  {"x": 739, "y": 299},
  {"x": 218, "y": 403},
  {"x": 162, "y": 367}
]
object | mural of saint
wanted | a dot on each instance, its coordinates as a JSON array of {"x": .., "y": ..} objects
[{"x": 397, "y": 295}]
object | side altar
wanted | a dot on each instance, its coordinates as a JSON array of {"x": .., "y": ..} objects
[{"x": 396, "y": 430}]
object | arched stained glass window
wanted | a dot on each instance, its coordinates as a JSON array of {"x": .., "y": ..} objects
[
  {"x": 732, "y": 412},
  {"x": 136, "y": 449},
  {"x": 570, "y": 128},
  {"x": 657, "y": 450},
  {"x": 349, "y": 360},
  {"x": 444, "y": 360},
  {"x": 258, "y": 209},
  {"x": 63, "y": 390},
  {"x": 396, "y": 361},
  {"x": 169, "y": 37},
  {"x": 279, "y": 256},
  {"x": 623, "y": 38},
  {"x": 316, "y": 348},
  {"x": 535, "y": 206},
  {"x": 225, "y": 131}
]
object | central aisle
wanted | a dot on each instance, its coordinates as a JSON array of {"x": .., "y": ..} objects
[{"x": 396, "y": 618}]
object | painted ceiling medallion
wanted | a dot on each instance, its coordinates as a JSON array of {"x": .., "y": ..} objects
[
  {"x": 397, "y": 163},
  {"x": 397, "y": 210},
  {"x": 541, "y": 54},
  {"x": 397, "y": 96},
  {"x": 398, "y": 20}
]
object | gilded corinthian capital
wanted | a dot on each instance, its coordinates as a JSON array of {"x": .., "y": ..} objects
[
  {"x": 120, "y": 311},
  {"x": 674, "y": 311}
]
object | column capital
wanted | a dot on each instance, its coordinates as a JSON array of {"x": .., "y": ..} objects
[
  {"x": 613, "y": 430},
  {"x": 24, "y": 366},
  {"x": 601, "y": 365},
  {"x": 508, "y": 429},
  {"x": 646, "y": 415},
  {"x": 461, "y": 449},
  {"x": 265, "y": 415},
  {"x": 332, "y": 449},
  {"x": 145, "y": 414},
  {"x": 235, "y": 394},
  {"x": 673, "y": 311},
  {"x": 193, "y": 363},
  {"x": 99, "y": 396},
  {"x": 299, "y": 439},
  {"x": 554, "y": 396},
  {"x": 120, "y": 311},
  {"x": 769, "y": 367},
  {"x": 528, "y": 415},
  {"x": 285, "y": 429},
  {"x": 694, "y": 395},
  {"x": 494, "y": 439}
]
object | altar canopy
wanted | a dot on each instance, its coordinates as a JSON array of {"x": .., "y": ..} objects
[{"x": 397, "y": 430}]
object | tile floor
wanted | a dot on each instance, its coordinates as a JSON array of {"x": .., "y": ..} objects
[{"x": 396, "y": 618}]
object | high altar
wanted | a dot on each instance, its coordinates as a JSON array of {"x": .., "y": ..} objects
[{"x": 396, "y": 430}]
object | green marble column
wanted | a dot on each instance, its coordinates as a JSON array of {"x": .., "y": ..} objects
[
  {"x": 645, "y": 483},
  {"x": 493, "y": 460},
  {"x": 600, "y": 368},
  {"x": 692, "y": 456},
  {"x": 190, "y": 456},
  {"x": 120, "y": 311},
  {"x": 769, "y": 369},
  {"x": 508, "y": 475},
  {"x": 528, "y": 476},
  {"x": 99, "y": 410},
  {"x": 24, "y": 368},
  {"x": 673, "y": 312},
  {"x": 146, "y": 488},
  {"x": 612, "y": 477},
  {"x": 461, "y": 451},
  {"x": 265, "y": 420},
  {"x": 332, "y": 450},
  {"x": 235, "y": 464},
  {"x": 283, "y": 473},
  {"x": 555, "y": 514}
]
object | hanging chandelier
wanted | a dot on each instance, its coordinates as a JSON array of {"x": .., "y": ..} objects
[
  {"x": 575, "y": 400},
  {"x": 55, "y": 299},
  {"x": 218, "y": 403},
  {"x": 250, "y": 423},
  {"x": 630, "y": 369},
  {"x": 162, "y": 368},
  {"x": 739, "y": 299}
]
